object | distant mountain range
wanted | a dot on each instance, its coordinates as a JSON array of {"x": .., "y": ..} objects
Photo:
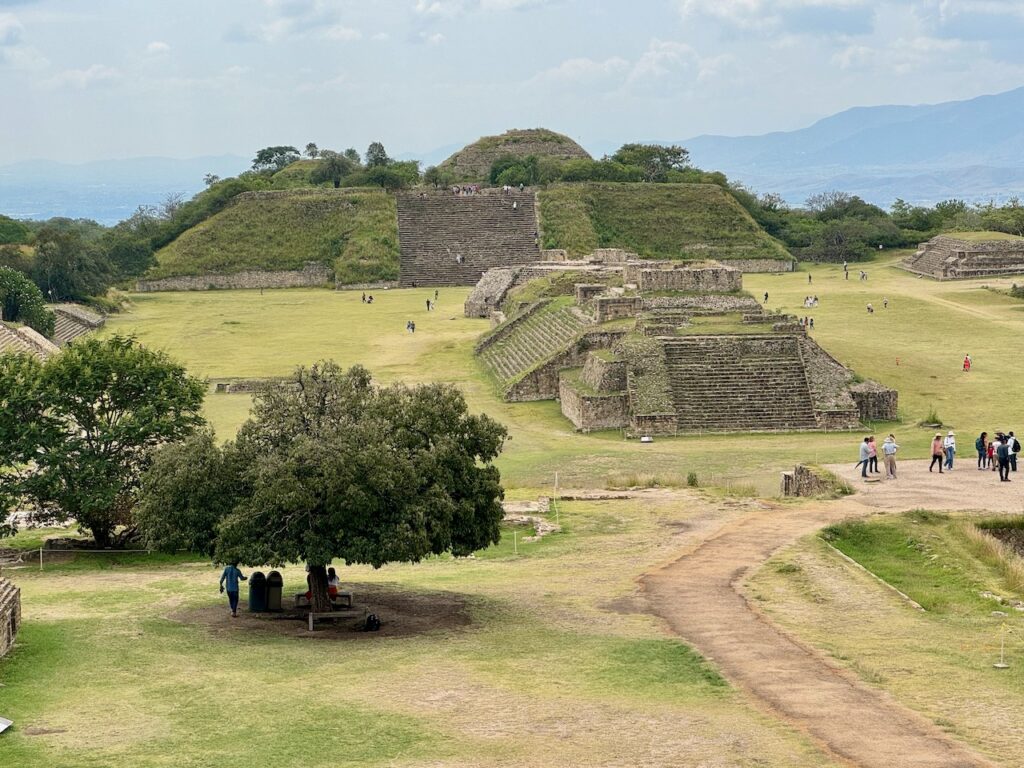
[
  {"x": 106, "y": 190},
  {"x": 971, "y": 149}
]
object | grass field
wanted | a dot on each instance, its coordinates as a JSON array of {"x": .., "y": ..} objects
[
  {"x": 938, "y": 661},
  {"x": 353, "y": 231},
  {"x": 668, "y": 221},
  {"x": 927, "y": 328},
  {"x": 527, "y": 657}
]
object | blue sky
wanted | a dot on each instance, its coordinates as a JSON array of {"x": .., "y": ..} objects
[{"x": 104, "y": 79}]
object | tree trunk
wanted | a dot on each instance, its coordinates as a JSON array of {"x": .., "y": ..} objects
[{"x": 319, "y": 600}]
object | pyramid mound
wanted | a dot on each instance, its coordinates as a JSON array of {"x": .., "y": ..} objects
[
  {"x": 473, "y": 162},
  {"x": 962, "y": 255}
]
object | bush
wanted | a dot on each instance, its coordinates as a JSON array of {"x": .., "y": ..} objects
[
  {"x": 23, "y": 302},
  {"x": 691, "y": 479}
]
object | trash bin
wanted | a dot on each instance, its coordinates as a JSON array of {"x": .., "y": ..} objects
[
  {"x": 275, "y": 588},
  {"x": 258, "y": 592}
]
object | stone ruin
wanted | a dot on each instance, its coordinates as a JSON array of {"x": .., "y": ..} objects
[
  {"x": 948, "y": 257},
  {"x": 10, "y": 614},
  {"x": 663, "y": 348}
]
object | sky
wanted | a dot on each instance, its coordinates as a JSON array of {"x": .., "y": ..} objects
[{"x": 84, "y": 80}]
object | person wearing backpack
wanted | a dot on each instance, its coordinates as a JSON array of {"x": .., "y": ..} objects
[
  {"x": 981, "y": 446},
  {"x": 1014, "y": 450},
  {"x": 1003, "y": 455}
]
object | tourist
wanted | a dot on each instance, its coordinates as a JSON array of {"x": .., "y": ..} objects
[
  {"x": 937, "y": 452},
  {"x": 428, "y": 305},
  {"x": 846, "y": 275},
  {"x": 515, "y": 205},
  {"x": 871, "y": 309},
  {"x": 1003, "y": 456},
  {"x": 864, "y": 456},
  {"x": 435, "y": 294},
  {"x": 846, "y": 267},
  {"x": 229, "y": 582},
  {"x": 1014, "y": 445},
  {"x": 369, "y": 299},
  {"x": 364, "y": 297},
  {"x": 950, "y": 445},
  {"x": 412, "y": 326},
  {"x": 885, "y": 302},
  {"x": 991, "y": 456},
  {"x": 872, "y": 455},
  {"x": 766, "y": 297},
  {"x": 889, "y": 448},
  {"x": 981, "y": 446},
  {"x": 333, "y": 582},
  {"x": 812, "y": 323},
  {"x": 967, "y": 364},
  {"x": 808, "y": 278}
]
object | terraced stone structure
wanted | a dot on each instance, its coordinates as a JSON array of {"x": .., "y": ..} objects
[
  {"x": 15, "y": 339},
  {"x": 948, "y": 257},
  {"x": 473, "y": 162},
  {"x": 671, "y": 363},
  {"x": 73, "y": 321},
  {"x": 10, "y": 615},
  {"x": 449, "y": 239}
]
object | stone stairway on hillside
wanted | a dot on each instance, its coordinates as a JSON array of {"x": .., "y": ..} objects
[
  {"x": 728, "y": 384},
  {"x": 448, "y": 239},
  {"x": 930, "y": 259},
  {"x": 72, "y": 321},
  {"x": 17, "y": 339},
  {"x": 533, "y": 339}
]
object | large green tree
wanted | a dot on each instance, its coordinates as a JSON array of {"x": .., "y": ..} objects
[
  {"x": 330, "y": 466},
  {"x": 332, "y": 167},
  {"x": 21, "y": 301},
  {"x": 376, "y": 155},
  {"x": 655, "y": 160},
  {"x": 78, "y": 430},
  {"x": 275, "y": 158}
]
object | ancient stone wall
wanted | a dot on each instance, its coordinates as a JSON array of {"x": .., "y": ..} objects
[
  {"x": 761, "y": 265},
  {"x": 314, "y": 274},
  {"x": 616, "y": 307},
  {"x": 586, "y": 291},
  {"x": 875, "y": 402},
  {"x": 542, "y": 382},
  {"x": 812, "y": 481},
  {"x": 488, "y": 294},
  {"x": 675, "y": 276},
  {"x": 10, "y": 615},
  {"x": 589, "y": 411},
  {"x": 710, "y": 304},
  {"x": 603, "y": 375},
  {"x": 652, "y": 424}
]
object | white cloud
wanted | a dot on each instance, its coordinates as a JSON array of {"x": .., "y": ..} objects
[
  {"x": 10, "y": 30},
  {"x": 305, "y": 19},
  {"x": 158, "y": 47},
  {"x": 582, "y": 70},
  {"x": 80, "y": 79},
  {"x": 342, "y": 33},
  {"x": 450, "y": 8},
  {"x": 902, "y": 55}
]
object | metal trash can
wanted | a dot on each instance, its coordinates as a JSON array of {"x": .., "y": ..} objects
[
  {"x": 257, "y": 592},
  {"x": 275, "y": 589}
]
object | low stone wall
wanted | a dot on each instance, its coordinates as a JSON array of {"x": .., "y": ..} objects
[
  {"x": 678, "y": 276},
  {"x": 313, "y": 275},
  {"x": 586, "y": 291},
  {"x": 652, "y": 424},
  {"x": 604, "y": 375},
  {"x": 812, "y": 481},
  {"x": 761, "y": 265},
  {"x": 711, "y": 304},
  {"x": 10, "y": 615},
  {"x": 588, "y": 411},
  {"x": 875, "y": 402},
  {"x": 237, "y": 386},
  {"x": 616, "y": 307}
]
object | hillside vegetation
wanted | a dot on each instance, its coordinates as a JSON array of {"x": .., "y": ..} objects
[
  {"x": 355, "y": 232},
  {"x": 664, "y": 221}
]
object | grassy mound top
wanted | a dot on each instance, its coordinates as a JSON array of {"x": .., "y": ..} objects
[
  {"x": 473, "y": 162},
  {"x": 981, "y": 237},
  {"x": 353, "y": 231},
  {"x": 660, "y": 221}
]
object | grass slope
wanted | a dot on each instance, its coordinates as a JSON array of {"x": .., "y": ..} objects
[
  {"x": 353, "y": 231},
  {"x": 664, "y": 221}
]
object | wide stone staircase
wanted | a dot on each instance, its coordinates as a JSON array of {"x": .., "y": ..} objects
[
  {"x": 728, "y": 384},
  {"x": 72, "y": 321},
  {"x": 448, "y": 239},
  {"x": 534, "y": 338},
  {"x": 19, "y": 339},
  {"x": 931, "y": 258}
]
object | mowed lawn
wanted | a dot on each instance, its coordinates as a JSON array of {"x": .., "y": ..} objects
[
  {"x": 928, "y": 327},
  {"x": 525, "y": 659}
]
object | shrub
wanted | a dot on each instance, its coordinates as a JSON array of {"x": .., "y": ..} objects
[{"x": 23, "y": 302}]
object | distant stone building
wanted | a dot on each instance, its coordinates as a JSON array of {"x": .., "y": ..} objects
[{"x": 948, "y": 257}]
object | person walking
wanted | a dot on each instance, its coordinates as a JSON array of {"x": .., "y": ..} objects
[
  {"x": 766, "y": 297},
  {"x": 863, "y": 463},
  {"x": 967, "y": 364},
  {"x": 889, "y": 448},
  {"x": 950, "y": 446},
  {"x": 229, "y": 582},
  {"x": 937, "y": 452},
  {"x": 981, "y": 446},
  {"x": 808, "y": 278},
  {"x": 872, "y": 456},
  {"x": 1014, "y": 446}
]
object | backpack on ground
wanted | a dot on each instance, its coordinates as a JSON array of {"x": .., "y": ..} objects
[{"x": 372, "y": 623}]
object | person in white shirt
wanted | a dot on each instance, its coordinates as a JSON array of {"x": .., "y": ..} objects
[
  {"x": 889, "y": 448},
  {"x": 950, "y": 445}
]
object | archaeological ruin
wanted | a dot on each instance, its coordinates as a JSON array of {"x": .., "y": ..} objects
[
  {"x": 948, "y": 257},
  {"x": 661, "y": 348},
  {"x": 10, "y": 614}
]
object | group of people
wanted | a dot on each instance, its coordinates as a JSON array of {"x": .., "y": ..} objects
[
  {"x": 467, "y": 189},
  {"x": 869, "y": 456},
  {"x": 968, "y": 362},
  {"x": 809, "y": 301},
  {"x": 807, "y": 322},
  {"x": 999, "y": 452},
  {"x": 943, "y": 451},
  {"x": 232, "y": 575},
  {"x": 367, "y": 299},
  {"x": 507, "y": 188}
]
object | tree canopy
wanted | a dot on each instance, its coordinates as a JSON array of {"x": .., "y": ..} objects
[
  {"x": 332, "y": 167},
  {"x": 78, "y": 430},
  {"x": 21, "y": 301},
  {"x": 275, "y": 158},
  {"x": 330, "y": 466},
  {"x": 655, "y": 160},
  {"x": 375, "y": 155}
]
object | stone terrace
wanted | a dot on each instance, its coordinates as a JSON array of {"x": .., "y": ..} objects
[
  {"x": 951, "y": 258},
  {"x": 435, "y": 229},
  {"x": 726, "y": 384},
  {"x": 530, "y": 339},
  {"x": 73, "y": 321}
]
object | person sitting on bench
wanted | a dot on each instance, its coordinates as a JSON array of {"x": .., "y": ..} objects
[{"x": 333, "y": 583}]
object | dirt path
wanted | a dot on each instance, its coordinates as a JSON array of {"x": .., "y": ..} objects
[{"x": 698, "y": 596}]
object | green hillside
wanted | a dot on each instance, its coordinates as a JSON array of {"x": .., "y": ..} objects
[
  {"x": 473, "y": 162},
  {"x": 354, "y": 231},
  {"x": 664, "y": 221}
]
